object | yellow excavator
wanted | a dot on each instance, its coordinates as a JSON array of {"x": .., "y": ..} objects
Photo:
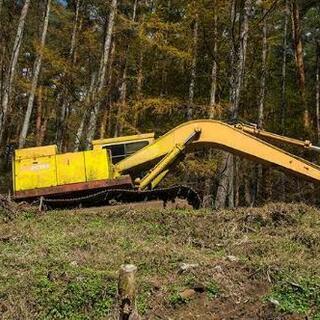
[{"x": 130, "y": 168}]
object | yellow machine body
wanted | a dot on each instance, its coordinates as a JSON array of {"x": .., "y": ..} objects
[
  {"x": 42, "y": 171},
  {"x": 42, "y": 167},
  {"x": 34, "y": 168},
  {"x": 146, "y": 160}
]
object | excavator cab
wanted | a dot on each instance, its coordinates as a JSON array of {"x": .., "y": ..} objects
[{"x": 123, "y": 147}]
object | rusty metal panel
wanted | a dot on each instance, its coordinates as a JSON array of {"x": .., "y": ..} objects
[
  {"x": 70, "y": 168},
  {"x": 97, "y": 165},
  {"x": 35, "y": 173},
  {"x": 123, "y": 182},
  {"x": 32, "y": 153}
]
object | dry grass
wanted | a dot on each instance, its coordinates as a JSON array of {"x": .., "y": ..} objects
[{"x": 63, "y": 265}]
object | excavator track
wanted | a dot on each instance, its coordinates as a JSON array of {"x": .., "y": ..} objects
[{"x": 105, "y": 197}]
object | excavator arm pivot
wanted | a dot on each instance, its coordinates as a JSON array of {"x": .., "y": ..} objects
[{"x": 162, "y": 166}]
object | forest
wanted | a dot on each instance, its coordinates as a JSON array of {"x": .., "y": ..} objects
[
  {"x": 75, "y": 70},
  {"x": 72, "y": 71}
]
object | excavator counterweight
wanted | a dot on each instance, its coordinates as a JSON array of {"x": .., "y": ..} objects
[{"x": 116, "y": 168}]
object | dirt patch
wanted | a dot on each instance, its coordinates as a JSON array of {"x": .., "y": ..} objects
[
  {"x": 10, "y": 209},
  {"x": 233, "y": 264}
]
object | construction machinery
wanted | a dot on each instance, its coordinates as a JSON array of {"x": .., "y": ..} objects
[{"x": 130, "y": 169}]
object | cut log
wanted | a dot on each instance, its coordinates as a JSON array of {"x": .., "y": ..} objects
[{"x": 127, "y": 293}]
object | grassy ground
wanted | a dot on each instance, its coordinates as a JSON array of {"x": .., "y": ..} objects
[{"x": 252, "y": 263}]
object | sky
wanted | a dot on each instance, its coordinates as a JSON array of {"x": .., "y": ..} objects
[{"x": 63, "y": 2}]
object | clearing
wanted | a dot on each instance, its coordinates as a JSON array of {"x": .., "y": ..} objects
[{"x": 250, "y": 263}]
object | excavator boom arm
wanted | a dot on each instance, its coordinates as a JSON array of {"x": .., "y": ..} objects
[
  {"x": 223, "y": 136},
  {"x": 272, "y": 137}
]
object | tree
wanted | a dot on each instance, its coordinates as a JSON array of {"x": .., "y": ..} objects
[
  {"x": 214, "y": 71},
  {"x": 102, "y": 73},
  {"x": 12, "y": 68},
  {"x": 193, "y": 68},
  {"x": 284, "y": 67},
  {"x": 123, "y": 88},
  {"x": 298, "y": 49},
  {"x": 65, "y": 103},
  {"x": 262, "y": 94},
  {"x": 139, "y": 66},
  {"x": 263, "y": 72},
  {"x": 36, "y": 73},
  {"x": 318, "y": 88},
  {"x": 90, "y": 96},
  {"x": 238, "y": 60}
]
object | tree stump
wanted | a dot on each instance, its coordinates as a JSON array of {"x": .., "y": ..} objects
[{"x": 127, "y": 293}]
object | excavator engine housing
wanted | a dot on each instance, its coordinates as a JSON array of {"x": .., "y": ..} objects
[{"x": 42, "y": 171}]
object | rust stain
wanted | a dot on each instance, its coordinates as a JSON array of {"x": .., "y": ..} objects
[{"x": 121, "y": 183}]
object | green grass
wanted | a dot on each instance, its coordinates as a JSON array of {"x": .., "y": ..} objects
[
  {"x": 300, "y": 297},
  {"x": 64, "y": 264}
]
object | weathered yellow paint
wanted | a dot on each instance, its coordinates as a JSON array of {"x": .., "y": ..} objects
[
  {"x": 32, "y": 173},
  {"x": 28, "y": 153},
  {"x": 223, "y": 136},
  {"x": 97, "y": 163},
  {"x": 70, "y": 168},
  {"x": 155, "y": 182},
  {"x": 41, "y": 167},
  {"x": 98, "y": 144},
  {"x": 162, "y": 165}
]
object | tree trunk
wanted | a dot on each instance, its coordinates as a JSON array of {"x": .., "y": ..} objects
[
  {"x": 89, "y": 97},
  {"x": 104, "y": 121},
  {"x": 298, "y": 48},
  {"x": 74, "y": 32},
  {"x": 140, "y": 75},
  {"x": 318, "y": 90},
  {"x": 240, "y": 62},
  {"x": 263, "y": 72},
  {"x": 238, "y": 59},
  {"x": 208, "y": 198},
  {"x": 43, "y": 131},
  {"x": 283, "y": 108},
  {"x": 123, "y": 87},
  {"x": 247, "y": 191},
  {"x": 107, "y": 111},
  {"x": 139, "y": 85},
  {"x": 2, "y": 62},
  {"x": 225, "y": 169},
  {"x": 102, "y": 74},
  {"x": 122, "y": 102},
  {"x": 36, "y": 73},
  {"x": 237, "y": 181},
  {"x": 65, "y": 104},
  {"x": 39, "y": 116},
  {"x": 193, "y": 69},
  {"x": 80, "y": 131},
  {"x": 214, "y": 70},
  {"x": 284, "y": 69},
  {"x": 12, "y": 68},
  {"x": 225, "y": 162},
  {"x": 262, "y": 92}
]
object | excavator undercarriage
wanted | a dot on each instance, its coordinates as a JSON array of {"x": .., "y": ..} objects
[{"x": 129, "y": 169}]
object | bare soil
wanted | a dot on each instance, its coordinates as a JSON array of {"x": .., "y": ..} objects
[{"x": 245, "y": 264}]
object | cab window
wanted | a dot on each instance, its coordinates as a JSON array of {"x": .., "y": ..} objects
[{"x": 122, "y": 151}]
